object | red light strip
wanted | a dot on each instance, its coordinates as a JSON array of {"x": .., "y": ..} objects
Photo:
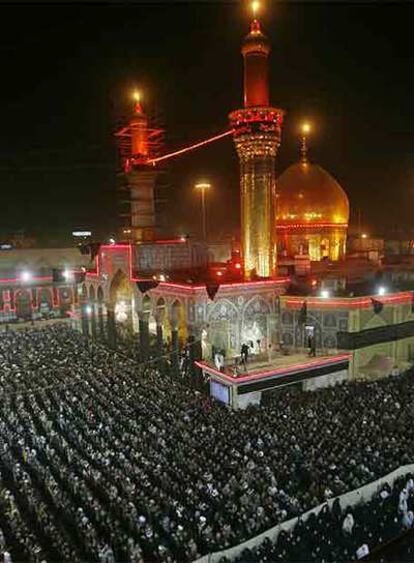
[
  {"x": 115, "y": 246},
  {"x": 349, "y": 303},
  {"x": 278, "y": 372},
  {"x": 311, "y": 226},
  {"x": 277, "y": 281},
  {"x": 190, "y": 148},
  {"x": 168, "y": 241}
]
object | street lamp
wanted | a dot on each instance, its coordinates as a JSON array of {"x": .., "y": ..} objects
[{"x": 203, "y": 187}]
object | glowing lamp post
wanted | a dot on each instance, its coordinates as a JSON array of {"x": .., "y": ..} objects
[{"x": 202, "y": 187}]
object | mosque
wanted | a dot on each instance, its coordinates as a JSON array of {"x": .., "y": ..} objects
[
  {"x": 164, "y": 289},
  {"x": 312, "y": 211}
]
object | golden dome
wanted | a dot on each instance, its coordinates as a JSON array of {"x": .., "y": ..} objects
[{"x": 307, "y": 194}]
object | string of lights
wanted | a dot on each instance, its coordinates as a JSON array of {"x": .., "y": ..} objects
[{"x": 191, "y": 147}]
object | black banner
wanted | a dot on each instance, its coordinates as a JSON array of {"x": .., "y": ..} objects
[
  {"x": 146, "y": 285},
  {"x": 212, "y": 289},
  {"x": 377, "y": 306},
  {"x": 390, "y": 333}
]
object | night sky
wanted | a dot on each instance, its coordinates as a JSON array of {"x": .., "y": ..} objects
[{"x": 67, "y": 72}]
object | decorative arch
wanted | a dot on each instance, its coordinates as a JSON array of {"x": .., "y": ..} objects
[
  {"x": 160, "y": 309},
  {"x": 178, "y": 319},
  {"x": 84, "y": 292},
  {"x": 65, "y": 297},
  {"x": 100, "y": 294},
  {"x": 223, "y": 310},
  {"x": 122, "y": 301},
  {"x": 300, "y": 332},
  {"x": 257, "y": 306},
  {"x": 120, "y": 285},
  {"x": 255, "y": 326},
  {"x": 223, "y": 328},
  {"x": 91, "y": 293},
  {"x": 45, "y": 299},
  {"x": 23, "y": 304}
]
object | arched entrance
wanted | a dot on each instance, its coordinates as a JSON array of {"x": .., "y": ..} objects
[
  {"x": 255, "y": 331},
  {"x": 311, "y": 329},
  {"x": 65, "y": 298},
  {"x": 84, "y": 293},
  {"x": 178, "y": 321},
  {"x": 122, "y": 304},
  {"x": 23, "y": 304},
  {"x": 223, "y": 329},
  {"x": 45, "y": 301}
]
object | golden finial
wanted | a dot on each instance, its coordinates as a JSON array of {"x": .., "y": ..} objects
[
  {"x": 136, "y": 95},
  {"x": 305, "y": 130}
]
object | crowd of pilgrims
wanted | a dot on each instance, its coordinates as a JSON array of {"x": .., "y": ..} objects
[
  {"x": 101, "y": 460},
  {"x": 341, "y": 533}
]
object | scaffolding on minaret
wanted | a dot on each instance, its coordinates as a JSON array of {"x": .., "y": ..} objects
[{"x": 139, "y": 142}]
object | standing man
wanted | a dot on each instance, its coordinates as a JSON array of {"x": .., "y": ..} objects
[
  {"x": 244, "y": 354},
  {"x": 312, "y": 346}
]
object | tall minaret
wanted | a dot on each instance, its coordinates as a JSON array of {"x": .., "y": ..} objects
[
  {"x": 257, "y": 130},
  {"x": 140, "y": 176}
]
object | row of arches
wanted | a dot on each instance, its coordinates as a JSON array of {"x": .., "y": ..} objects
[
  {"x": 224, "y": 324},
  {"x": 26, "y": 302},
  {"x": 120, "y": 312}
]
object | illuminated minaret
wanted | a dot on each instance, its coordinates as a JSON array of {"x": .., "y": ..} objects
[
  {"x": 140, "y": 176},
  {"x": 257, "y": 131}
]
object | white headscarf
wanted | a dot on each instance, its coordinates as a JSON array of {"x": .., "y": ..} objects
[
  {"x": 348, "y": 524},
  {"x": 407, "y": 520}
]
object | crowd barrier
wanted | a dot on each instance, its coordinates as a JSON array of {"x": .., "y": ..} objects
[{"x": 350, "y": 499}]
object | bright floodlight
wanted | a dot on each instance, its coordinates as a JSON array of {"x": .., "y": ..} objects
[
  {"x": 255, "y": 6},
  {"x": 25, "y": 276},
  {"x": 88, "y": 310},
  {"x": 67, "y": 274},
  {"x": 382, "y": 290},
  {"x": 306, "y": 128},
  {"x": 364, "y": 235},
  {"x": 203, "y": 185},
  {"x": 137, "y": 96},
  {"x": 325, "y": 293},
  {"x": 111, "y": 240}
]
